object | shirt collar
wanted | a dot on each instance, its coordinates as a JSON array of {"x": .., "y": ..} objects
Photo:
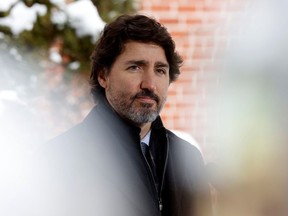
[{"x": 146, "y": 138}]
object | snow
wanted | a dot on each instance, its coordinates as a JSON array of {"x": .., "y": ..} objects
[
  {"x": 6, "y": 4},
  {"x": 59, "y": 17},
  {"x": 10, "y": 95},
  {"x": 82, "y": 15},
  {"x": 59, "y": 3},
  {"x": 55, "y": 56},
  {"x": 14, "y": 52},
  {"x": 22, "y": 17},
  {"x": 74, "y": 65}
]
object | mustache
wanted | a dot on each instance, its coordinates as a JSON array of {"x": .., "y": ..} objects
[{"x": 147, "y": 93}]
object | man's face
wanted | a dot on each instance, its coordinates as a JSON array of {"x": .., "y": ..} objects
[{"x": 138, "y": 81}]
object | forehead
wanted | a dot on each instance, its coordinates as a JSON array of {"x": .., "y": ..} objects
[{"x": 142, "y": 51}]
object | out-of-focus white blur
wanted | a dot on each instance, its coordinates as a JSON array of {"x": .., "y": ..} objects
[
  {"x": 21, "y": 129},
  {"x": 36, "y": 101},
  {"x": 252, "y": 123},
  {"x": 35, "y": 105}
]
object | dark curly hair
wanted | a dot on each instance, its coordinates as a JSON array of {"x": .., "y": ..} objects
[{"x": 130, "y": 28}]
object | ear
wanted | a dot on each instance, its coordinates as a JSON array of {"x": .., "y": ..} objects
[{"x": 102, "y": 78}]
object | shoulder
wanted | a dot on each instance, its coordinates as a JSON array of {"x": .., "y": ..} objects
[
  {"x": 177, "y": 142},
  {"x": 185, "y": 154},
  {"x": 80, "y": 132},
  {"x": 61, "y": 146},
  {"x": 72, "y": 134}
]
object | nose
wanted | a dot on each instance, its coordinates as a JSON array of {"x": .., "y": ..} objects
[{"x": 148, "y": 81}]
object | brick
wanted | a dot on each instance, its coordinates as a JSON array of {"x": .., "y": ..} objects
[
  {"x": 198, "y": 28},
  {"x": 216, "y": 19},
  {"x": 187, "y": 8},
  {"x": 202, "y": 54},
  {"x": 160, "y": 7},
  {"x": 194, "y": 21},
  {"x": 203, "y": 32},
  {"x": 214, "y": 6},
  {"x": 168, "y": 20},
  {"x": 179, "y": 33},
  {"x": 188, "y": 69}
]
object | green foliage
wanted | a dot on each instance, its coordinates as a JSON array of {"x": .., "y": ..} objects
[
  {"x": 4, "y": 14},
  {"x": 6, "y": 30},
  {"x": 44, "y": 33},
  {"x": 109, "y": 9},
  {"x": 41, "y": 36},
  {"x": 77, "y": 49}
]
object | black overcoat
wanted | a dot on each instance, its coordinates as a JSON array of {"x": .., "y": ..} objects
[{"x": 97, "y": 168}]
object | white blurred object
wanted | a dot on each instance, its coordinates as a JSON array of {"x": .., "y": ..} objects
[
  {"x": 84, "y": 17},
  {"x": 5, "y": 5},
  {"x": 22, "y": 17},
  {"x": 10, "y": 95},
  {"x": 187, "y": 137},
  {"x": 55, "y": 56},
  {"x": 251, "y": 130}
]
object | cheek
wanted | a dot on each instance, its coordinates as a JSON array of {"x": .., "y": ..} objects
[
  {"x": 128, "y": 85},
  {"x": 120, "y": 88},
  {"x": 113, "y": 84},
  {"x": 163, "y": 89}
]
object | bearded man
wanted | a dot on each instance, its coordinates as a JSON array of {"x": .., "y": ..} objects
[{"x": 121, "y": 160}]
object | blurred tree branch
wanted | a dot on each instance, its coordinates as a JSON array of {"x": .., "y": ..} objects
[{"x": 45, "y": 32}]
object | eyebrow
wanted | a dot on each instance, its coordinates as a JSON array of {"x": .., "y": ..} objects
[
  {"x": 143, "y": 62},
  {"x": 137, "y": 62},
  {"x": 162, "y": 64}
]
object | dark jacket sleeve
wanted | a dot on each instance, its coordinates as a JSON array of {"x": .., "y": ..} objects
[{"x": 188, "y": 183}]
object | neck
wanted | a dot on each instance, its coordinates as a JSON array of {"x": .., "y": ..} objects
[{"x": 145, "y": 128}]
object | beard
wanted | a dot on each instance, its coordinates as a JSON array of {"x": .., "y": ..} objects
[
  {"x": 142, "y": 114},
  {"x": 134, "y": 111}
]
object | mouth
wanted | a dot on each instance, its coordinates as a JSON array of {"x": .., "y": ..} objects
[{"x": 147, "y": 97}]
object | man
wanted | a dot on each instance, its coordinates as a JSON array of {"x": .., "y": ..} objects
[{"x": 101, "y": 166}]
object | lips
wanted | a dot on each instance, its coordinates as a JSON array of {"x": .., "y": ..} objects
[
  {"x": 147, "y": 97},
  {"x": 144, "y": 99}
]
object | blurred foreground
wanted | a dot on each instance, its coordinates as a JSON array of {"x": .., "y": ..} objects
[
  {"x": 34, "y": 107},
  {"x": 251, "y": 131},
  {"x": 251, "y": 152}
]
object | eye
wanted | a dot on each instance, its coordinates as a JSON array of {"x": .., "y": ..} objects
[
  {"x": 162, "y": 71},
  {"x": 134, "y": 68}
]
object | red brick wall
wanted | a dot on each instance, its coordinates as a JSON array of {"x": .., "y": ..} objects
[{"x": 199, "y": 30}]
